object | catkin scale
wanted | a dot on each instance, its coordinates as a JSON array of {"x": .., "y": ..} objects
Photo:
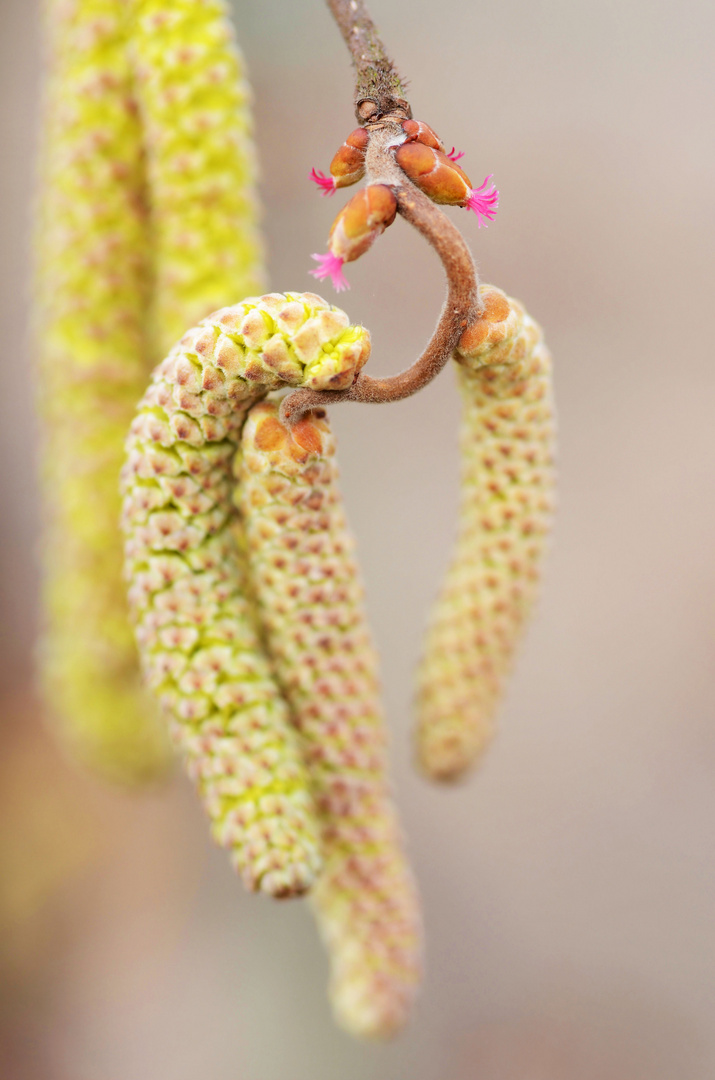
[
  {"x": 507, "y": 447},
  {"x": 92, "y": 290},
  {"x": 187, "y": 585},
  {"x": 309, "y": 600}
]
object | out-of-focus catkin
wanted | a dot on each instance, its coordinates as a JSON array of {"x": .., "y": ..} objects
[
  {"x": 197, "y": 641},
  {"x": 309, "y": 599},
  {"x": 194, "y": 103},
  {"x": 93, "y": 296},
  {"x": 507, "y": 448}
]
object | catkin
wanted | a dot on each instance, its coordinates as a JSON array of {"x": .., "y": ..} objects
[
  {"x": 507, "y": 447},
  {"x": 194, "y": 628},
  {"x": 310, "y": 603},
  {"x": 93, "y": 295},
  {"x": 194, "y": 104}
]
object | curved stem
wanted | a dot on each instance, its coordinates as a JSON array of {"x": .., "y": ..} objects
[{"x": 461, "y": 308}]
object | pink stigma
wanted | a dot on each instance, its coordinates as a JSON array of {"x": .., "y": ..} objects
[
  {"x": 454, "y": 156},
  {"x": 331, "y": 266},
  {"x": 327, "y": 183},
  {"x": 484, "y": 201}
]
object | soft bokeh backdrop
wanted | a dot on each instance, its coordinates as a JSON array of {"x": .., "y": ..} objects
[{"x": 569, "y": 887}]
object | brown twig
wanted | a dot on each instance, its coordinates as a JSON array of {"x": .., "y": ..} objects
[
  {"x": 378, "y": 88},
  {"x": 462, "y": 306}
]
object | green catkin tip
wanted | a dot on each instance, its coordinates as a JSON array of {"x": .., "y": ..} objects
[
  {"x": 309, "y": 600},
  {"x": 506, "y": 507},
  {"x": 188, "y": 590}
]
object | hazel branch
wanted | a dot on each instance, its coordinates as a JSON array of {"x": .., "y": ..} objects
[{"x": 382, "y": 115}]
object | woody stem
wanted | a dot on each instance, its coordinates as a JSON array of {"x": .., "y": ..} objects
[{"x": 378, "y": 87}]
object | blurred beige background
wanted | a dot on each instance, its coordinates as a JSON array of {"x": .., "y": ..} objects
[{"x": 569, "y": 887}]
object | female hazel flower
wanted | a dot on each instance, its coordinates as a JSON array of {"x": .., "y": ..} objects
[
  {"x": 507, "y": 448},
  {"x": 356, "y": 227},
  {"x": 309, "y": 598},
  {"x": 347, "y": 166},
  {"x": 445, "y": 182}
]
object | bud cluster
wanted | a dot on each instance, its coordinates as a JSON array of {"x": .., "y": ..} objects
[{"x": 421, "y": 157}]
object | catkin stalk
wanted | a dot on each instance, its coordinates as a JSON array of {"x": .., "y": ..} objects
[
  {"x": 194, "y": 103},
  {"x": 507, "y": 448},
  {"x": 306, "y": 585},
  {"x": 196, "y": 637},
  {"x": 93, "y": 296}
]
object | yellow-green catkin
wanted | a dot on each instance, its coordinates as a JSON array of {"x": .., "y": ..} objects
[
  {"x": 507, "y": 449},
  {"x": 309, "y": 598},
  {"x": 93, "y": 295},
  {"x": 195, "y": 110},
  {"x": 188, "y": 593}
]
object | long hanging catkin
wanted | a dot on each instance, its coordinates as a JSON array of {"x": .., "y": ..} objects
[
  {"x": 195, "y": 110},
  {"x": 309, "y": 598},
  {"x": 118, "y": 254},
  {"x": 93, "y": 298},
  {"x": 507, "y": 447},
  {"x": 196, "y": 637}
]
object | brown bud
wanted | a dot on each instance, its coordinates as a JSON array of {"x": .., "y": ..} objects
[
  {"x": 434, "y": 173},
  {"x": 361, "y": 221},
  {"x": 418, "y": 131},
  {"x": 348, "y": 164},
  {"x": 367, "y": 109}
]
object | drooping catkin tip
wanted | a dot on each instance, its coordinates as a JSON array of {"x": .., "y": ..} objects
[
  {"x": 448, "y": 751},
  {"x": 369, "y": 1009}
]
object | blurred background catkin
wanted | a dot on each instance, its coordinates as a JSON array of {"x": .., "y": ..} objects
[{"x": 569, "y": 885}]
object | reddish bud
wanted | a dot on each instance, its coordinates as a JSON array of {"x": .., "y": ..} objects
[
  {"x": 347, "y": 166},
  {"x": 418, "y": 131},
  {"x": 444, "y": 181},
  {"x": 356, "y": 227}
]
